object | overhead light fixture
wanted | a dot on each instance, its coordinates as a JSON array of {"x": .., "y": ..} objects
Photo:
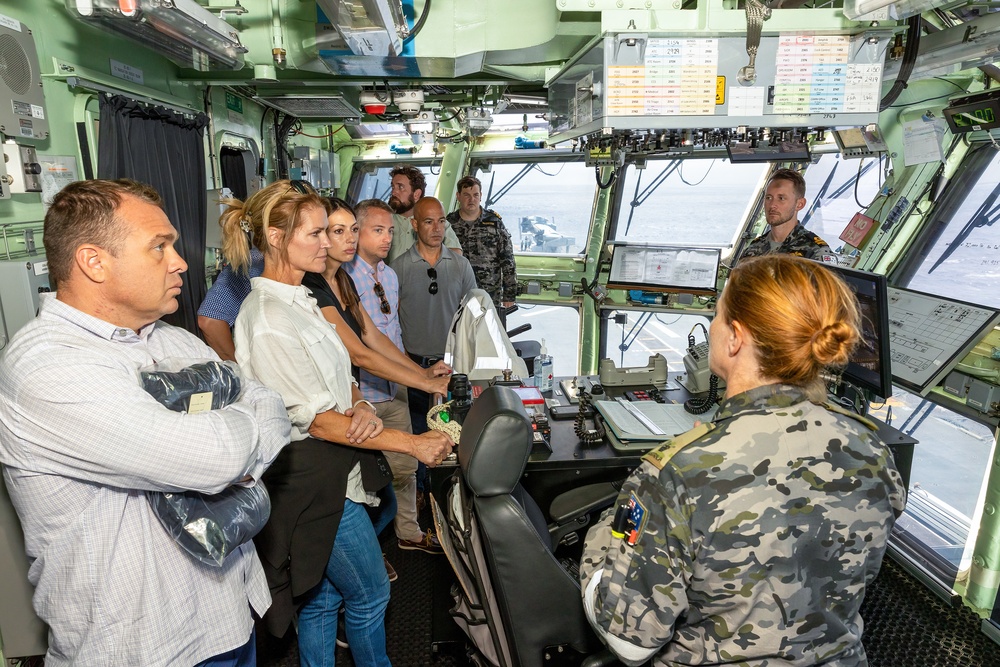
[
  {"x": 408, "y": 101},
  {"x": 478, "y": 120},
  {"x": 424, "y": 122},
  {"x": 182, "y": 30},
  {"x": 421, "y": 138},
  {"x": 374, "y": 102},
  {"x": 965, "y": 46},
  {"x": 368, "y": 27}
]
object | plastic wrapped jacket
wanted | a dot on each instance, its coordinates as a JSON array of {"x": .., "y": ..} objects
[
  {"x": 209, "y": 527},
  {"x": 477, "y": 342}
]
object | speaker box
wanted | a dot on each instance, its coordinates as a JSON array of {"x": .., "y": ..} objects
[{"x": 22, "y": 100}]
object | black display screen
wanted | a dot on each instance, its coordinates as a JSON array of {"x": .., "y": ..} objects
[{"x": 869, "y": 365}]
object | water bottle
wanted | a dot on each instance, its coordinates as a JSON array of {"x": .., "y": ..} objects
[{"x": 543, "y": 370}]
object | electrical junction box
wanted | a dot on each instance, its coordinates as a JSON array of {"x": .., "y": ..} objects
[
  {"x": 21, "y": 283},
  {"x": 24, "y": 173},
  {"x": 982, "y": 396},
  {"x": 957, "y": 384}
]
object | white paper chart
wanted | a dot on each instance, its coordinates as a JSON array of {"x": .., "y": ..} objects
[
  {"x": 928, "y": 335},
  {"x": 815, "y": 74},
  {"x": 676, "y": 79}
]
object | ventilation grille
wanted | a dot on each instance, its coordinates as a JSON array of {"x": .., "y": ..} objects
[
  {"x": 14, "y": 68},
  {"x": 312, "y": 106}
]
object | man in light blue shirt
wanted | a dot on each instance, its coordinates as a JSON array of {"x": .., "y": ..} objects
[{"x": 378, "y": 289}]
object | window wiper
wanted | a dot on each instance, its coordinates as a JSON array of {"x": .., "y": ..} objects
[
  {"x": 819, "y": 196},
  {"x": 987, "y": 213},
  {"x": 849, "y": 183},
  {"x": 506, "y": 187},
  {"x": 639, "y": 198}
]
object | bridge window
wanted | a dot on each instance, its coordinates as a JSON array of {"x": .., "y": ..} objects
[
  {"x": 965, "y": 256},
  {"x": 559, "y": 326},
  {"x": 700, "y": 202},
  {"x": 947, "y": 481},
  {"x": 375, "y": 182},
  {"x": 546, "y": 206},
  {"x": 836, "y": 189},
  {"x": 632, "y": 336}
]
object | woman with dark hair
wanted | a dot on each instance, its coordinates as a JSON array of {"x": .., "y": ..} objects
[
  {"x": 337, "y": 297},
  {"x": 319, "y": 549},
  {"x": 751, "y": 539}
]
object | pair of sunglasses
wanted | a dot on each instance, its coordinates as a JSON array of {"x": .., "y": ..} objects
[
  {"x": 433, "y": 275},
  {"x": 383, "y": 302},
  {"x": 302, "y": 187}
]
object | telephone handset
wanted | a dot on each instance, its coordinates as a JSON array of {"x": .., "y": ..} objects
[
  {"x": 696, "y": 367},
  {"x": 699, "y": 377}
]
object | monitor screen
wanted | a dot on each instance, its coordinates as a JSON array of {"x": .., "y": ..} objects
[
  {"x": 664, "y": 268},
  {"x": 930, "y": 334},
  {"x": 869, "y": 366}
]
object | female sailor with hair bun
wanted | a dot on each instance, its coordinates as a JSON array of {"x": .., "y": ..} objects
[{"x": 752, "y": 538}]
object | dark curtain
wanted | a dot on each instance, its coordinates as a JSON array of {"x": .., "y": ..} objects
[
  {"x": 234, "y": 174},
  {"x": 166, "y": 150}
]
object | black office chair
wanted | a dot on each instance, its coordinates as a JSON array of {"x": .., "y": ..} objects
[{"x": 537, "y": 601}]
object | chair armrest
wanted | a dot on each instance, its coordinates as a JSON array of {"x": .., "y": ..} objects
[{"x": 582, "y": 500}]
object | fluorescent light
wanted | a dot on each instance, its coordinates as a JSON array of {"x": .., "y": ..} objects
[
  {"x": 368, "y": 27},
  {"x": 182, "y": 30}
]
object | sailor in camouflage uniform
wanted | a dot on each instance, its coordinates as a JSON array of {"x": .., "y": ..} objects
[
  {"x": 750, "y": 539},
  {"x": 783, "y": 199},
  {"x": 486, "y": 243}
]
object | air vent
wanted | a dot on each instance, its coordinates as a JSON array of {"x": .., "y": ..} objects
[{"x": 313, "y": 106}]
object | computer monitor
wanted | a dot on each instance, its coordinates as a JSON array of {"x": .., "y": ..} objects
[
  {"x": 869, "y": 366},
  {"x": 662, "y": 268}
]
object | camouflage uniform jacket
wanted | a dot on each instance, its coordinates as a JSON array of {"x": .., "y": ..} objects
[
  {"x": 800, "y": 242},
  {"x": 486, "y": 243},
  {"x": 757, "y": 536}
]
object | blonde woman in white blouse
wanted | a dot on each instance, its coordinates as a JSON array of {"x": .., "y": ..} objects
[{"x": 319, "y": 549}]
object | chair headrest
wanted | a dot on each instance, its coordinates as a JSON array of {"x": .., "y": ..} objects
[{"x": 495, "y": 443}]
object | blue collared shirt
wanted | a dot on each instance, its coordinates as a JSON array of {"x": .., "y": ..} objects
[
  {"x": 225, "y": 297},
  {"x": 375, "y": 389}
]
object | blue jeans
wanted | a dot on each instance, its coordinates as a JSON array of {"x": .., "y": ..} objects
[
  {"x": 355, "y": 578},
  {"x": 244, "y": 656}
]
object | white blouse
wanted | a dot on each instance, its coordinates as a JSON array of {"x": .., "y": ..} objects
[{"x": 283, "y": 341}]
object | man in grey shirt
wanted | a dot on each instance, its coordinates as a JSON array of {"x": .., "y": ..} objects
[
  {"x": 432, "y": 282},
  {"x": 408, "y": 186}
]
